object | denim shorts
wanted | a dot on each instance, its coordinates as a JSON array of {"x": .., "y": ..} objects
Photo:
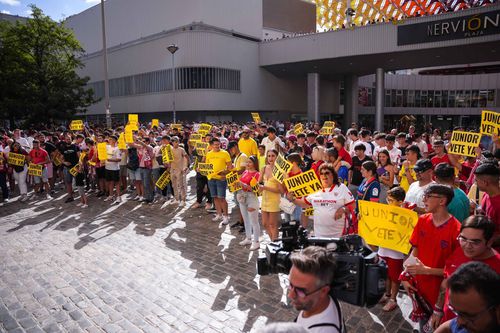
[
  {"x": 135, "y": 174},
  {"x": 68, "y": 177},
  {"x": 44, "y": 178},
  {"x": 217, "y": 188}
]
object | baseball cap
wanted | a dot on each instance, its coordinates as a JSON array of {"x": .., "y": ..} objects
[{"x": 423, "y": 165}]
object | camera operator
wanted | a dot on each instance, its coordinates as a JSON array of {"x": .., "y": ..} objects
[{"x": 309, "y": 290}]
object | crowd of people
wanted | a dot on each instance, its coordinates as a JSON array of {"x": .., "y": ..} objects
[{"x": 456, "y": 197}]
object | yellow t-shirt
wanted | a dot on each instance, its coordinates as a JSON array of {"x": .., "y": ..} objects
[
  {"x": 240, "y": 162},
  {"x": 248, "y": 147},
  {"x": 219, "y": 161},
  {"x": 404, "y": 182}
]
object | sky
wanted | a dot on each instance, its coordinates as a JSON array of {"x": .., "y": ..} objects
[{"x": 56, "y": 9}]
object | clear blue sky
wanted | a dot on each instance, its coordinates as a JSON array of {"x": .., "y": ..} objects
[{"x": 56, "y": 9}]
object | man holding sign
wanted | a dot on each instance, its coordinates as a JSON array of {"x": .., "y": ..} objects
[
  {"x": 39, "y": 156},
  {"x": 217, "y": 183},
  {"x": 332, "y": 204}
]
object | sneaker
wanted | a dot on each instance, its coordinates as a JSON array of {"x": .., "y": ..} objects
[
  {"x": 225, "y": 220},
  {"x": 6, "y": 200},
  {"x": 117, "y": 201},
  {"x": 217, "y": 218},
  {"x": 79, "y": 204},
  {"x": 24, "y": 198},
  {"x": 136, "y": 198},
  {"x": 49, "y": 197},
  {"x": 142, "y": 199},
  {"x": 108, "y": 198},
  {"x": 391, "y": 305},
  {"x": 255, "y": 246},
  {"x": 70, "y": 199},
  {"x": 85, "y": 206},
  {"x": 245, "y": 242},
  {"x": 236, "y": 225}
]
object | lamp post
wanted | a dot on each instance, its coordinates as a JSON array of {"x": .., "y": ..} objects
[
  {"x": 172, "y": 48},
  {"x": 106, "y": 79}
]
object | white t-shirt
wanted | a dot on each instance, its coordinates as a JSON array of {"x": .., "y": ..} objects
[
  {"x": 275, "y": 144},
  {"x": 368, "y": 151},
  {"x": 422, "y": 145},
  {"x": 415, "y": 194},
  {"x": 352, "y": 145},
  {"x": 329, "y": 316},
  {"x": 395, "y": 155},
  {"x": 114, "y": 153},
  {"x": 325, "y": 204}
]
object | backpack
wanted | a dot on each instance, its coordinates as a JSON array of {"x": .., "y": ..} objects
[{"x": 133, "y": 159}]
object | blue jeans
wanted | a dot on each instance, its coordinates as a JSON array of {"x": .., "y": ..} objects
[
  {"x": 250, "y": 219},
  {"x": 148, "y": 184}
]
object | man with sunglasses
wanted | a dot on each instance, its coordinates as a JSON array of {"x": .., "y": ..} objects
[
  {"x": 474, "y": 299},
  {"x": 475, "y": 241},
  {"x": 309, "y": 291}
]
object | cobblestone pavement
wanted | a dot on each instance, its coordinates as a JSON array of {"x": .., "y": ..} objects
[{"x": 139, "y": 268}]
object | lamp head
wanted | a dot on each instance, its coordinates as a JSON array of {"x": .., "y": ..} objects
[{"x": 172, "y": 48}]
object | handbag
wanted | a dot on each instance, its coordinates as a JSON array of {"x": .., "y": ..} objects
[{"x": 287, "y": 206}]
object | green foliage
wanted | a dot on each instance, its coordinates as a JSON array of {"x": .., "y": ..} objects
[{"x": 38, "y": 63}]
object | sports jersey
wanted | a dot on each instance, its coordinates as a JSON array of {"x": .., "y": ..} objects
[{"x": 435, "y": 245}]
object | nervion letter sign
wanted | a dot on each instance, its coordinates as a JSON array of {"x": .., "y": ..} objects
[{"x": 453, "y": 28}]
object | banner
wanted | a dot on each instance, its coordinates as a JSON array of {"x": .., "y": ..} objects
[
  {"x": 254, "y": 183},
  {"x": 329, "y": 124},
  {"x": 309, "y": 211},
  {"x": 464, "y": 143},
  {"x": 385, "y": 225},
  {"x": 298, "y": 128},
  {"x": 281, "y": 168},
  {"x": 129, "y": 137},
  {"x": 201, "y": 148},
  {"x": 121, "y": 142},
  {"x": 133, "y": 118},
  {"x": 155, "y": 123},
  {"x": 35, "y": 170},
  {"x": 178, "y": 126},
  {"x": 326, "y": 131},
  {"x": 233, "y": 181},
  {"x": 195, "y": 138},
  {"x": 205, "y": 168},
  {"x": 303, "y": 184},
  {"x": 490, "y": 122},
  {"x": 16, "y": 159},
  {"x": 256, "y": 117},
  {"x": 167, "y": 154},
  {"x": 76, "y": 125},
  {"x": 163, "y": 180},
  {"x": 102, "y": 151},
  {"x": 74, "y": 170},
  {"x": 205, "y": 128}
]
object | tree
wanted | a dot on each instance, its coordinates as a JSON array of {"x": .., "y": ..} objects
[{"x": 38, "y": 63}]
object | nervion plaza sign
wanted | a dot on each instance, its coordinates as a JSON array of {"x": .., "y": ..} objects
[{"x": 453, "y": 28}]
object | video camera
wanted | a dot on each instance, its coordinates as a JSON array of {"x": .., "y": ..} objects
[{"x": 359, "y": 278}]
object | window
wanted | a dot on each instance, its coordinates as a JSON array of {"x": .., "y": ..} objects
[
  {"x": 437, "y": 98},
  {"x": 444, "y": 98},
  {"x": 387, "y": 101}
]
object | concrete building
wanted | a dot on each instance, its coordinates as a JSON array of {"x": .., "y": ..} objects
[{"x": 242, "y": 56}]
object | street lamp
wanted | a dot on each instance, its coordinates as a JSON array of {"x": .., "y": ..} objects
[
  {"x": 105, "y": 59},
  {"x": 172, "y": 48}
]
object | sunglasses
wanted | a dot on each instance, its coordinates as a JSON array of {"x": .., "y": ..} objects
[{"x": 301, "y": 292}]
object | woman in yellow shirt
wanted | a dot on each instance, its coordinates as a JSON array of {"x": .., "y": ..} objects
[{"x": 271, "y": 193}]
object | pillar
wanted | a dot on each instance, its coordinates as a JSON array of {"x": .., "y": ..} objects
[
  {"x": 351, "y": 100},
  {"x": 379, "y": 99},
  {"x": 313, "y": 97}
]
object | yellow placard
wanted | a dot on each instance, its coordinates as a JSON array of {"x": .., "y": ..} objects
[
  {"x": 35, "y": 170},
  {"x": 256, "y": 117},
  {"x": 309, "y": 211},
  {"x": 167, "y": 154},
  {"x": 74, "y": 170},
  {"x": 121, "y": 142},
  {"x": 201, "y": 148},
  {"x": 82, "y": 157},
  {"x": 163, "y": 180},
  {"x": 205, "y": 169},
  {"x": 298, "y": 128},
  {"x": 385, "y": 225},
  {"x": 326, "y": 130},
  {"x": 76, "y": 125},
  {"x": 178, "y": 126},
  {"x": 16, "y": 159},
  {"x": 129, "y": 136},
  {"x": 195, "y": 163},
  {"x": 195, "y": 137},
  {"x": 254, "y": 183},
  {"x": 155, "y": 123},
  {"x": 303, "y": 184},
  {"x": 134, "y": 126},
  {"x": 233, "y": 181},
  {"x": 102, "y": 152},
  {"x": 281, "y": 168},
  {"x": 205, "y": 128},
  {"x": 464, "y": 143},
  {"x": 490, "y": 122},
  {"x": 133, "y": 118},
  {"x": 57, "y": 160},
  {"x": 329, "y": 123}
]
